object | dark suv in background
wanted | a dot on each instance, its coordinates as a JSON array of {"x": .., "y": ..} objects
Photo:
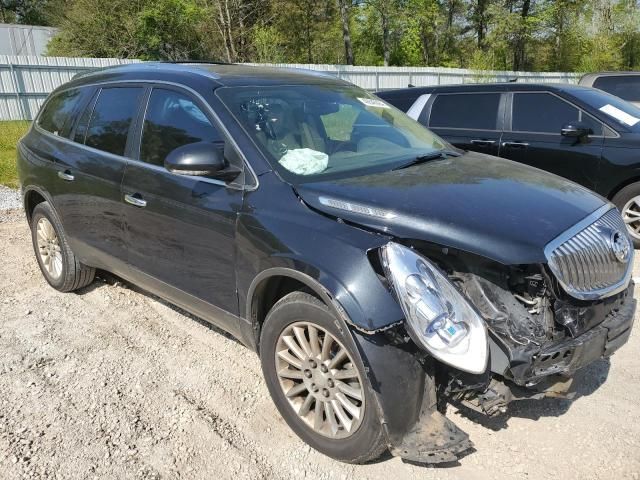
[
  {"x": 625, "y": 85},
  {"x": 378, "y": 273},
  {"x": 580, "y": 133}
]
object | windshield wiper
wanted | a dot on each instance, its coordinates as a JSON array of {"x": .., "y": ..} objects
[{"x": 427, "y": 158}]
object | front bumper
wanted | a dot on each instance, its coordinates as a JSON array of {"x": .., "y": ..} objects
[
  {"x": 604, "y": 327},
  {"x": 601, "y": 341},
  {"x": 403, "y": 379},
  {"x": 548, "y": 372}
]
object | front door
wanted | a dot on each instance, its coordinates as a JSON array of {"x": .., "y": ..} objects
[
  {"x": 534, "y": 137},
  {"x": 180, "y": 230}
]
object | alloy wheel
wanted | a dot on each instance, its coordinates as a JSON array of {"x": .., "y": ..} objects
[
  {"x": 631, "y": 216},
  {"x": 320, "y": 380},
  {"x": 49, "y": 248}
]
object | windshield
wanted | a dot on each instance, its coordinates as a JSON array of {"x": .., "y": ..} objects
[
  {"x": 614, "y": 108},
  {"x": 315, "y": 132}
]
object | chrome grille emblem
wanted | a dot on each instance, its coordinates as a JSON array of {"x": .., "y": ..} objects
[
  {"x": 620, "y": 246},
  {"x": 594, "y": 258}
]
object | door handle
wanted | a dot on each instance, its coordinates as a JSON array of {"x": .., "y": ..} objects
[
  {"x": 482, "y": 142},
  {"x": 515, "y": 144},
  {"x": 66, "y": 175},
  {"x": 135, "y": 200}
]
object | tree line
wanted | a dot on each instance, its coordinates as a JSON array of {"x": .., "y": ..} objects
[{"x": 535, "y": 35}]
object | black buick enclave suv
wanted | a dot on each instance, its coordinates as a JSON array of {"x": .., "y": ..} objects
[{"x": 378, "y": 273}]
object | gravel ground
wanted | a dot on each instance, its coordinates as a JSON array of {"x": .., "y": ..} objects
[
  {"x": 113, "y": 383},
  {"x": 9, "y": 198}
]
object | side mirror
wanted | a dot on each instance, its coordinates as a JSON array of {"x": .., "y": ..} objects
[
  {"x": 200, "y": 159},
  {"x": 576, "y": 130}
]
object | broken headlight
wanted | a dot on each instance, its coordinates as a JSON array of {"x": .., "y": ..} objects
[{"x": 439, "y": 318}]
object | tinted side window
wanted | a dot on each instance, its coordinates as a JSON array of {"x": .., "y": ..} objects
[
  {"x": 111, "y": 118},
  {"x": 56, "y": 117},
  {"x": 172, "y": 120},
  {"x": 478, "y": 111},
  {"x": 400, "y": 101},
  {"x": 541, "y": 112},
  {"x": 626, "y": 87},
  {"x": 83, "y": 123},
  {"x": 591, "y": 122}
]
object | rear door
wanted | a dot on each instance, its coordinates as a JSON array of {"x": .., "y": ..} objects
[
  {"x": 180, "y": 230},
  {"x": 89, "y": 172},
  {"x": 532, "y": 136},
  {"x": 49, "y": 143},
  {"x": 468, "y": 120}
]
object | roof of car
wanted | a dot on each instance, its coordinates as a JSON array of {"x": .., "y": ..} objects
[
  {"x": 484, "y": 87},
  {"x": 220, "y": 73},
  {"x": 589, "y": 78}
]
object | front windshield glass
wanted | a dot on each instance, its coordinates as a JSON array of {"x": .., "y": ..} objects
[
  {"x": 614, "y": 108},
  {"x": 315, "y": 132}
]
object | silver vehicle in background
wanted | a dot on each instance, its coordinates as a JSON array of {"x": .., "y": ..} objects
[{"x": 625, "y": 85}]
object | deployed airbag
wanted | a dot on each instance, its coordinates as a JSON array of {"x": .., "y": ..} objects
[{"x": 304, "y": 161}]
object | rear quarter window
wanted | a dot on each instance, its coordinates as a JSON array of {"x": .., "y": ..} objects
[{"x": 57, "y": 116}]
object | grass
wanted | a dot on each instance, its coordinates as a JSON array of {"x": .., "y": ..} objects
[{"x": 10, "y": 133}]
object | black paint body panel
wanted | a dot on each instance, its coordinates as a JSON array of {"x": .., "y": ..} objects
[{"x": 481, "y": 204}]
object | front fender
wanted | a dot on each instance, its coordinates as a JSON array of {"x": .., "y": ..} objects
[
  {"x": 342, "y": 276},
  {"x": 300, "y": 274},
  {"x": 329, "y": 257}
]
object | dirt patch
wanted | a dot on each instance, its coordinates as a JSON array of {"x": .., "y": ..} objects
[{"x": 111, "y": 382}]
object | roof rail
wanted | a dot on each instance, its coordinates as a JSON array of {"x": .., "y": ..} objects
[{"x": 211, "y": 62}]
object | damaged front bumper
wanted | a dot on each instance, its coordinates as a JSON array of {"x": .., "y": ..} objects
[
  {"x": 601, "y": 341},
  {"x": 607, "y": 326},
  {"x": 548, "y": 371},
  {"x": 405, "y": 381}
]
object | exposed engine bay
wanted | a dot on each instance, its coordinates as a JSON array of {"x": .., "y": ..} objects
[{"x": 538, "y": 335}]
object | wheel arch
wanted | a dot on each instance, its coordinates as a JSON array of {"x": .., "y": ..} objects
[
  {"x": 620, "y": 186},
  {"x": 32, "y": 196},
  {"x": 274, "y": 283}
]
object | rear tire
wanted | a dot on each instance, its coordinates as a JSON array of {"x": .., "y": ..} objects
[
  {"x": 628, "y": 202},
  {"x": 59, "y": 265},
  {"x": 355, "y": 434}
]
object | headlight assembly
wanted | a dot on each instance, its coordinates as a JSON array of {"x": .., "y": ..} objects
[{"x": 439, "y": 318}]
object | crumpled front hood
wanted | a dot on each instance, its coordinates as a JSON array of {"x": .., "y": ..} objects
[{"x": 481, "y": 204}]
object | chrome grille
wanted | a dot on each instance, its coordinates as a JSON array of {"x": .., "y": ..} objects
[{"x": 583, "y": 258}]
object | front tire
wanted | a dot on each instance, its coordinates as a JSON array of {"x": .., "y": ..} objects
[
  {"x": 59, "y": 265},
  {"x": 317, "y": 380},
  {"x": 628, "y": 202}
]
